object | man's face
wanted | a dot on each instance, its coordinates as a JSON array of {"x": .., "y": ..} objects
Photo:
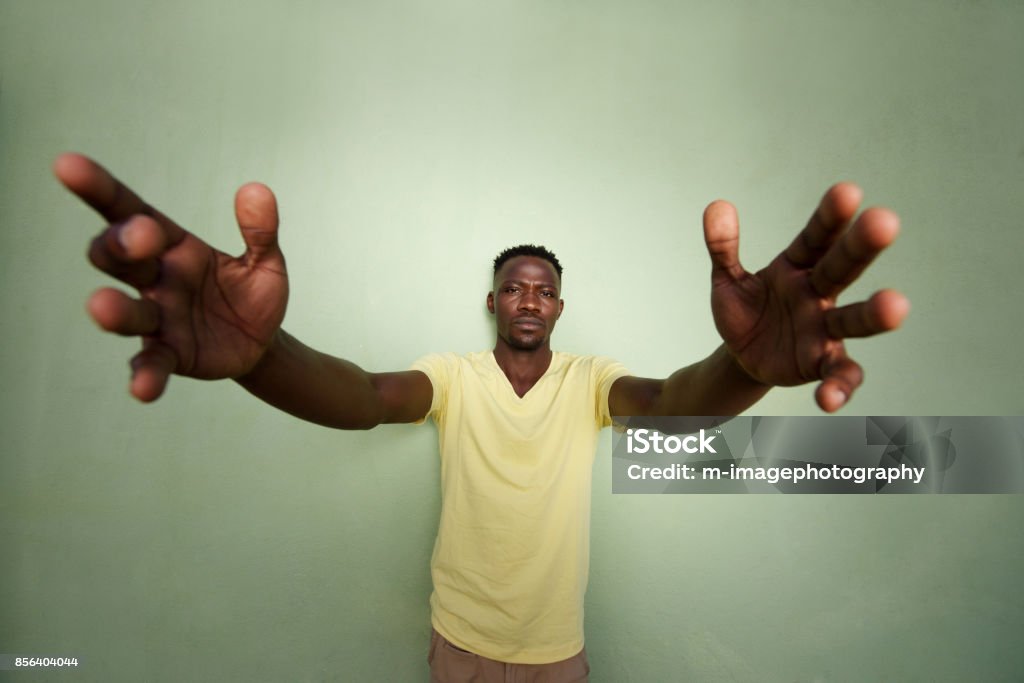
[{"x": 525, "y": 302}]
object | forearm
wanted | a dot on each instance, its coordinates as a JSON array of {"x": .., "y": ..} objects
[
  {"x": 314, "y": 386},
  {"x": 716, "y": 385}
]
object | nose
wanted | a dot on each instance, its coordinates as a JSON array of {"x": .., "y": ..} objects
[{"x": 529, "y": 301}]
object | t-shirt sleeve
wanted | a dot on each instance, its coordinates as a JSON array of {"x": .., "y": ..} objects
[
  {"x": 438, "y": 368},
  {"x": 604, "y": 373}
]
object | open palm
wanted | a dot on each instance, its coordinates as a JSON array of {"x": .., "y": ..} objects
[
  {"x": 200, "y": 312},
  {"x": 782, "y": 324}
]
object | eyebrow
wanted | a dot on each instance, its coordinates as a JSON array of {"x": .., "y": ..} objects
[{"x": 526, "y": 282}]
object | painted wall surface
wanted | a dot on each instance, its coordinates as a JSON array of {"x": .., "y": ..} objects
[{"x": 209, "y": 537}]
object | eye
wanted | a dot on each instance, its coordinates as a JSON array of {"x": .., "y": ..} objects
[
  {"x": 549, "y": 294},
  {"x": 510, "y": 290}
]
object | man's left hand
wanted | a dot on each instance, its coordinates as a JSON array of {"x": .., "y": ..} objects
[{"x": 782, "y": 324}]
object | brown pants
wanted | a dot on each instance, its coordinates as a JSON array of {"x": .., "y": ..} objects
[{"x": 451, "y": 664}]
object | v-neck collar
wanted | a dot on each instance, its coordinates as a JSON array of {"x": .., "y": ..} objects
[{"x": 508, "y": 382}]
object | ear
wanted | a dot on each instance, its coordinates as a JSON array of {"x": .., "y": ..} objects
[
  {"x": 490, "y": 302},
  {"x": 561, "y": 307}
]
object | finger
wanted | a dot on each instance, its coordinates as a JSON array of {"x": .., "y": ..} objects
[
  {"x": 116, "y": 312},
  {"x": 884, "y": 311},
  {"x": 828, "y": 222},
  {"x": 840, "y": 378},
  {"x": 151, "y": 369},
  {"x": 111, "y": 198},
  {"x": 256, "y": 211},
  {"x": 129, "y": 250},
  {"x": 875, "y": 230},
  {"x": 722, "y": 237}
]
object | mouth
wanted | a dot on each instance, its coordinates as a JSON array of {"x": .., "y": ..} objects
[{"x": 528, "y": 322}]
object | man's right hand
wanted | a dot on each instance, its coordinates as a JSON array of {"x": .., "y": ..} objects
[{"x": 201, "y": 313}]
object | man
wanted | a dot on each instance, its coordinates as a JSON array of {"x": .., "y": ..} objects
[{"x": 517, "y": 425}]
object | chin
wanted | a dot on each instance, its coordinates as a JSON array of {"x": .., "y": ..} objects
[{"x": 529, "y": 344}]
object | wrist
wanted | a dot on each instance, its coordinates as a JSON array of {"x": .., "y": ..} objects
[
  {"x": 270, "y": 355},
  {"x": 737, "y": 372}
]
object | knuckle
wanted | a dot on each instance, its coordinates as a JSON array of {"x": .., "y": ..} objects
[{"x": 97, "y": 254}]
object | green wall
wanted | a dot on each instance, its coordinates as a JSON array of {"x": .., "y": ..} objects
[{"x": 208, "y": 537}]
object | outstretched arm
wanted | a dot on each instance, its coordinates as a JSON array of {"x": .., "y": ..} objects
[
  {"x": 202, "y": 313},
  {"x": 780, "y": 326},
  {"x": 334, "y": 392}
]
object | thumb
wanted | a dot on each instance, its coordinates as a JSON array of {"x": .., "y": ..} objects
[
  {"x": 722, "y": 237},
  {"x": 256, "y": 212}
]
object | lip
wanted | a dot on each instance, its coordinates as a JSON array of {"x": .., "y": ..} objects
[{"x": 528, "y": 322}]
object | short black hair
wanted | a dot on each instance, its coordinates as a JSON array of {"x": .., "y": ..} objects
[{"x": 528, "y": 250}]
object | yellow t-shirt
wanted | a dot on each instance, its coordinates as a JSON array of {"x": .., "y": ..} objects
[{"x": 512, "y": 554}]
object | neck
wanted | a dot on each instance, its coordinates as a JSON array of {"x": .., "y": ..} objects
[{"x": 522, "y": 367}]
